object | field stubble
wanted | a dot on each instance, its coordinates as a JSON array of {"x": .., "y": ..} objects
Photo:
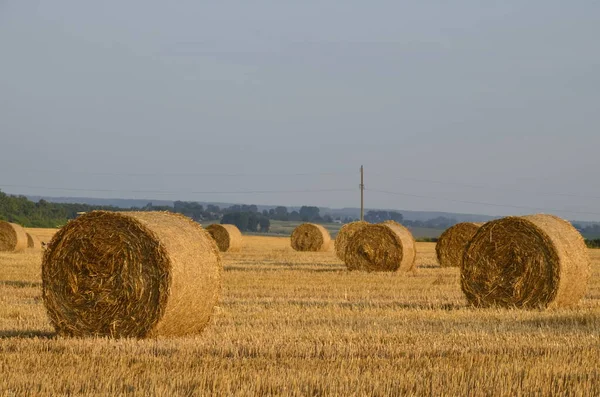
[{"x": 300, "y": 324}]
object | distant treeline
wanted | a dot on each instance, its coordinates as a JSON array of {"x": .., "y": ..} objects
[
  {"x": 593, "y": 243},
  {"x": 591, "y": 230},
  {"x": 436, "y": 223},
  {"x": 18, "y": 209},
  {"x": 21, "y": 210}
]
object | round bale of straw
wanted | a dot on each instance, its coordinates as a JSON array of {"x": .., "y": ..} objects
[
  {"x": 346, "y": 232},
  {"x": 534, "y": 261},
  {"x": 131, "y": 274},
  {"x": 384, "y": 247},
  {"x": 310, "y": 237},
  {"x": 33, "y": 242},
  {"x": 227, "y": 237},
  {"x": 12, "y": 237},
  {"x": 451, "y": 245}
]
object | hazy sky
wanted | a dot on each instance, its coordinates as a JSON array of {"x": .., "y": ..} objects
[{"x": 447, "y": 104}]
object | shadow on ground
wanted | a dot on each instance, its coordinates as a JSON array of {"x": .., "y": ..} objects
[
  {"x": 20, "y": 284},
  {"x": 26, "y": 333}
]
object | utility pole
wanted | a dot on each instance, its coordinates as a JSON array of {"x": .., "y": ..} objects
[{"x": 362, "y": 194}]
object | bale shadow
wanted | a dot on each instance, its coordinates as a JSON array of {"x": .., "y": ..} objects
[
  {"x": 282, "y": 268},
  {"x": 20, "y": 284},
  {"x": 587, "y": 320},
  {"x": 369, "y": 305},
  {"x": 27, "y": 333}
]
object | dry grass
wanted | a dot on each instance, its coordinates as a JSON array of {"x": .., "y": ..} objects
[{"x": 300, "y": 324}]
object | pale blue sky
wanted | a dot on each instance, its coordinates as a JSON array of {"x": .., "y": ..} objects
[{"x": 146, "y": 99}]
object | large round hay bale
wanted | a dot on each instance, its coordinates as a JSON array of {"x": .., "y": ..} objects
[
  {"x": 33, "y": 242},
  {"x": 344, "y": 235},
  {"x": 131, "y": 274},
  {"x": 12, "y": 237},
  {"x": 227, "y": 237},
  {"x": 384, "y": 247},
  {"x": 534, "y": 261},
  {"x": 451, "y": 245},
  {"x": 310, "y": 237}
]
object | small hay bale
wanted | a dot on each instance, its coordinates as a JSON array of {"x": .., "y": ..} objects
[
  {"x": 384, "y": 247},
  {"x": 12, "y": 237},
  {"x": 33, "y": 242},
  {"x": 310, "y": 237},
  {"x": 131, "y": 274},
  {"x": 534, "y": 261},
  {"x": 451, "y": 245},
  {"x": 344, "y": 235},
  {"x": 227, "y": 237}
]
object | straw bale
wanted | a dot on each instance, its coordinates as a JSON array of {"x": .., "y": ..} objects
[
  {"x": 310, "y": 237},
  {"x": 534, "y": 261},
  {"x": 344, "y": 235},
  {"x": 33, "y": 242},
  {"x": 227, "y": 237},
  {"x": 384, "y": 247},
  {"x": 451, "y": 245},
  {"x": 131, "y": 274},
  {"x": 12, "y": 237}
]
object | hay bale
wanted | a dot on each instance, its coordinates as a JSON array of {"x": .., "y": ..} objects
[
  {"x": 227, "y": 237},
  {"x": 344, "y": 235},
  {"x": 310, "y": 237},
  {"x": 384, "y": 247},
  {"x": 451, "y": 245},
  {"x": 131, "y": 274},
  {"x": 33, "y": 242},
  {"x": 534, "y": 261},
  {"x": 12, "y": 237}
]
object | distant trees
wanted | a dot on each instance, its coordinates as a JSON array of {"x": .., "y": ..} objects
[
  {"x": 21, "y": 210},
  {"x": 440, "y": 222},
  {"x": 382, "y": 216},
  {"x": 247, "y": 221},
  {"x": 310, "y": 214}
]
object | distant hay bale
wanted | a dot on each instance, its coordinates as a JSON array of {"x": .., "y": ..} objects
[
  {"x": 12, "y": 237},
  {"x": 534, "y": 261},
  {"x": 384, "y": 247},
  {"x": 344, "y": 235},
  {"x": 227, "y": 237},
  {"x": 131, "y": 274},
  {"x": 310, "y": 237},
  {"x": 451, "y": 245},
  {"x": 33, "y": 242}
]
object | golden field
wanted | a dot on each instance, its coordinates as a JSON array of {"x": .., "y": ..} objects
[{"x": 299, "y": 324}]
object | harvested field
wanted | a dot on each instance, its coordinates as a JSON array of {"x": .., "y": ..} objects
[{"x": 298, "y": 323}]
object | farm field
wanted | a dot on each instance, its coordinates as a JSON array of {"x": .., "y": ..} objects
[{"x": 294, "y": 323}]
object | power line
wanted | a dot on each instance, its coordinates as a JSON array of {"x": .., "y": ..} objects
[
  {"x": 180, "y": 192},
  {"x": 489, "y": 187},
  {"x": 191, "y": 174},
  {"x": 484, "y": 203}
]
